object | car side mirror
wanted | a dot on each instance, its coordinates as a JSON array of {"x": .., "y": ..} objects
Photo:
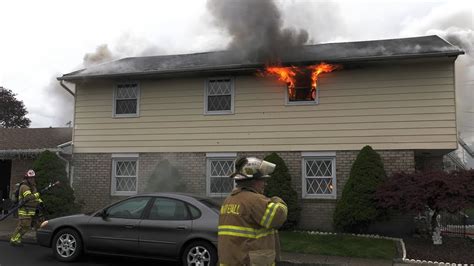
[{"x": 103, "y": 214}]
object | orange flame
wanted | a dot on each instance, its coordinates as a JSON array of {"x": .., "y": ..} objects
[
  {"x": 285, "y": 74},
  {"x": 288, "y": 74},
  {"x": 321, "y": 68}
]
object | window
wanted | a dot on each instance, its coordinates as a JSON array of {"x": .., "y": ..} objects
[
  {"x": 124, "y": 174},
  {"x": 168, "y": 209},
  {"x": 219, "y": 96},
  {"x": 126, "y": 99},
  {"x": 128, "y": 209},
  {"x": 303, "y": 91},
  {"x": 219, "y": 168},
  {"x": 319, "y": 175}
]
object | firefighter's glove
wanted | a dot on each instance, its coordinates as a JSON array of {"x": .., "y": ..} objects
[
  {"x": 37, "y": 195},
  {"x": 276, "y": 199}
]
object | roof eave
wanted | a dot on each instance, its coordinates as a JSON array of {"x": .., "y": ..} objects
[{"x": 253, "y": 67}]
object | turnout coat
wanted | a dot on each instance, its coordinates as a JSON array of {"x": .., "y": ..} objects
[{"x": 247, "y": 232}]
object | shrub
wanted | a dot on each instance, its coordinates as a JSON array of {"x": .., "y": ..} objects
[
  {"x": 280, "y": 185},
  {"x": 60, "y": 200},
  {"x": 437, "y": 190},
  {"x": 357, "y": 208}
]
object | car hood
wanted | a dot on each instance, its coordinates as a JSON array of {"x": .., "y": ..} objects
[{"x": 71, "y": 219}]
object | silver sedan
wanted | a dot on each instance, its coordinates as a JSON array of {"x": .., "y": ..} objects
[{"x": 169, "y": 226}]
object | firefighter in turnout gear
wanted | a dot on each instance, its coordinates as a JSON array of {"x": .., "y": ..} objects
[
  {"x": 31, "y": 196},
  {"x": 248, "y": 220}
]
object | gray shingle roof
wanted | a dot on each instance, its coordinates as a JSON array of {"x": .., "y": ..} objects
[
  {"x": 33, "y": 138},
  {"x": 426, "y": 46}
]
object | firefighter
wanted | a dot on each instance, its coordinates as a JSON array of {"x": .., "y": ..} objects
[
  {"x": 31, "y": 196},
  {"x": 248, "y": 220}
]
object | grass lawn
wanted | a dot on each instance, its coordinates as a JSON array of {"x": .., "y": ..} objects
[{"x": 338, "y": 245}]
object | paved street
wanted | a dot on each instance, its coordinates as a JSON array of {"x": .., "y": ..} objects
[{"x": 35, "y": 255}]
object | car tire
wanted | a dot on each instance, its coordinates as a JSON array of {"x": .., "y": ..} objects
[
  {"x": 199, "y": 253},
  {"x": 67, "y": 245}
]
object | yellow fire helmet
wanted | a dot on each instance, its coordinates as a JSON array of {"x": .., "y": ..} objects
[{"x": 251, "y": 167}]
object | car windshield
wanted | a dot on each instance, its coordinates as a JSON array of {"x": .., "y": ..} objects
[{"x": 214, "y": 205}]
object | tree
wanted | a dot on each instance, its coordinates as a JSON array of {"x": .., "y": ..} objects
[
  {"x": 165, "y": 178},
  {"x": 60, "y": 200},
  {"x": 280, "y": 185},
  {"x": 357, "y": 208},
  {"x": 438, "y": 190},
  {"x": 12, "y": 111}
]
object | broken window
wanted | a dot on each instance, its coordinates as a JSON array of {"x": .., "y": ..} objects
[{"x": 303, "y": 90}]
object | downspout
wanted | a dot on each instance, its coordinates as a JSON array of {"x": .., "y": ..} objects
[
  {"x": 61, "y": 82},
  {"x": 58, "y": 153}
]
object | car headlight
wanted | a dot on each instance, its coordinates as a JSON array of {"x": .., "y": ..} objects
[{"x": 44, "y": 224}]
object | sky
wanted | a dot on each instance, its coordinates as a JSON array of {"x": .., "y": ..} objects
[{"x": 41, "y": 40}]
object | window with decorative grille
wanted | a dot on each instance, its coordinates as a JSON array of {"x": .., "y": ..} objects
[
  {"x": 218, "y": 171},
  {"x": 319, "y": 177},
  {"x": 125, "y": 173},
  {"x": 219, "y": 96},
  {"x": 126, "y": 99}
]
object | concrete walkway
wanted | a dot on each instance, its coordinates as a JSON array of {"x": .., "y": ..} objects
[{"x": 8, "y": 226}]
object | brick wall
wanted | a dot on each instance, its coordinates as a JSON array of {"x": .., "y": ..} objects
[{"x": 92, "y": 177}]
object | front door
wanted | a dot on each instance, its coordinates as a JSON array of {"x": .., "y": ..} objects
[
  {"x": 165, "y": 229},
  {"x": 5, "y": 175},
  {"x": 117, "y": 231}
]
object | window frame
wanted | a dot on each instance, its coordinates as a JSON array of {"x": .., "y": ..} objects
[
  {"x": 145, "y": 210},
  {"x": 318, "y": 156},
  {"x": 288, "y": 102},
  {"x": 213, "y": 157},
  {"x": 156, "y": 198},
  {"x": 232, "y": 96},
  {"x": 114, "y": 102},
  {"x": 123, "y": 157}
]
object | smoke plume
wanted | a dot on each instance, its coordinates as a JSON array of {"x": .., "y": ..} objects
[
  {"x": 102, "y": 54},
  {"x": 256, "y": 28}
]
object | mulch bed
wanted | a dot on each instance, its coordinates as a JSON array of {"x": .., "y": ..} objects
[{"x": 453, "y": 249}]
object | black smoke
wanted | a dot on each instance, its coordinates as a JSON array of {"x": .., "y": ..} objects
[{"x": 256, "y": 28}]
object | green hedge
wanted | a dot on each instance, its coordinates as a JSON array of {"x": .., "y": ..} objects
[
  {"x": 280, "y": 185},
  {"x": 357, "y": 208},
  {"x": 60, "y": 200}
]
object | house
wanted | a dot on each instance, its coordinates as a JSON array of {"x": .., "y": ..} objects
[
  {"x": 202, "y": 111},
  {"x": 19, "y": 148}
]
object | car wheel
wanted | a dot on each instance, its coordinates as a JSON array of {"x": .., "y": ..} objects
[
  {"x": 67, "y": 245},
  {"x": 199, "y": 253}
]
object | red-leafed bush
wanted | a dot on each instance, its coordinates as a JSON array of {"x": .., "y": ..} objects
[{"x": 437, "y": 190}]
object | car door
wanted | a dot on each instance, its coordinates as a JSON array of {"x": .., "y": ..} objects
[
  {"x": 167, "y": 225},
  {"x": 117, "y": 230}
]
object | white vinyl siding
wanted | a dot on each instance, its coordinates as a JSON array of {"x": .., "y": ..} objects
[
  {"x": 124, "y": 174},
  {"x": 388, "y": 106},
  {"x": 126, "y": 99}
]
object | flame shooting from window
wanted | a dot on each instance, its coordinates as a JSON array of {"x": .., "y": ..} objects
[{"x": 288, "y": 74}]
